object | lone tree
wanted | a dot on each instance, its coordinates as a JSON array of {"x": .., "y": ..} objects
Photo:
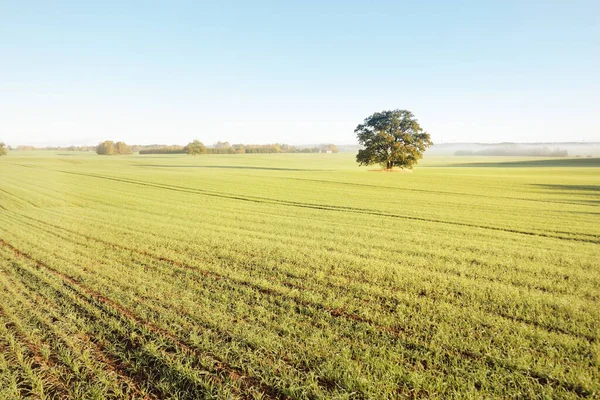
[
  {"x": 392, "y": 139},
  {"x": 3, "y": 151},
  {"x": 194, "y": 148}
]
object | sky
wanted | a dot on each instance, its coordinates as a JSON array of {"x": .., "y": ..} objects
[{"x": 297, "y": 72}]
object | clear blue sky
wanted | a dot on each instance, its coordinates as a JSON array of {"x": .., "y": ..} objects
[{"x": 296, "y": 71}]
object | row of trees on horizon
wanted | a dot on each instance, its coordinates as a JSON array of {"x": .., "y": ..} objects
[
  {"x": 196, "y": 147},
  {"x": 109, "y": 147}
]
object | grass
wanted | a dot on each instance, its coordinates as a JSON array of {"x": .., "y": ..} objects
[{"x": 297, "y": 275}]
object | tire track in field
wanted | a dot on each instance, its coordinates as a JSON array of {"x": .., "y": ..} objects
[
  {"x": 75, "y": 162},
  {"x": 586, "y": 237},
  {"x": 589, "y": 238},
  {"x": 247, "y": 381},
  {"x": 440, "y": 192},
  {"x": 318, "y": 306},
  {"x": 49, "y": 306},
  {"x": 27, "y": 165},
  {"x": 132, "y": 208},
  {"x": 20, "y": 199}
]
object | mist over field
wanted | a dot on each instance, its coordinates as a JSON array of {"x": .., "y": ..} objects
[{"x": 541, "y": 149}]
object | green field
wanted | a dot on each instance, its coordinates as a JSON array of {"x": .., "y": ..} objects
[{"x": 301, "y": 276}]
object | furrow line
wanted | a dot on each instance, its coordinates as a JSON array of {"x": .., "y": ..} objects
[
  {"x": 542, "y": 378},
  {"x": 254, "y": 199},
  {"x": 269, "y": 391},
  {"x": 531, "y": 286},
  {"x": 35, "y": 303},
  {"x": 95, "y": 312},
  {"x": 38, "y": 361},
  {"x": 192, "y": 317},
  {"x": 271, "y": 292},
  {"x": 438, "y": 191},
  {"x": 18, "y": 198}
]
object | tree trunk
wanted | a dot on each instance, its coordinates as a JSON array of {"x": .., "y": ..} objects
[{"x": 389, "y": 165}]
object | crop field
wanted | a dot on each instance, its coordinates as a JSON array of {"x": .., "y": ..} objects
[{"x": 297, "y": 276}]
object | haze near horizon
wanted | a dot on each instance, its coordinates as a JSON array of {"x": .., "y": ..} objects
[{"x": 297, "y": 73}]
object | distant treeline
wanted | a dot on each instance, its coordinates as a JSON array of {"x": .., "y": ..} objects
[
  {"x": 227, "y": 148},
  {"x": 109, "y": 147},
  {"x": 162, "y": 150},
  {"x": 54, "y": 148},
  {"x": 515, "y": 150}
]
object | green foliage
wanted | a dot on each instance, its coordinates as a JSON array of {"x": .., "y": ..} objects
[
  {"x": 3, "y": 150},
  {"x": 122, "y": 148},
  {"x": 392, "y": 139},
  {"x": 106, "y": 148},
  {"x": 276, "y": 276},
  {"x": 194, "y": 148}
]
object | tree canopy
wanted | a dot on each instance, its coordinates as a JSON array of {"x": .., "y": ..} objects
[
  {"x": 391, "y": 138},
  {"x": 196, "y": 147},
  {"x": 3, "y": 151},
  {"x": 108, "y": 147},
  {"x": 122, "y": 148}
]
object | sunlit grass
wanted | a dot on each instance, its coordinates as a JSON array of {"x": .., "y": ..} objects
[{"x": 297, "y": 275}]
